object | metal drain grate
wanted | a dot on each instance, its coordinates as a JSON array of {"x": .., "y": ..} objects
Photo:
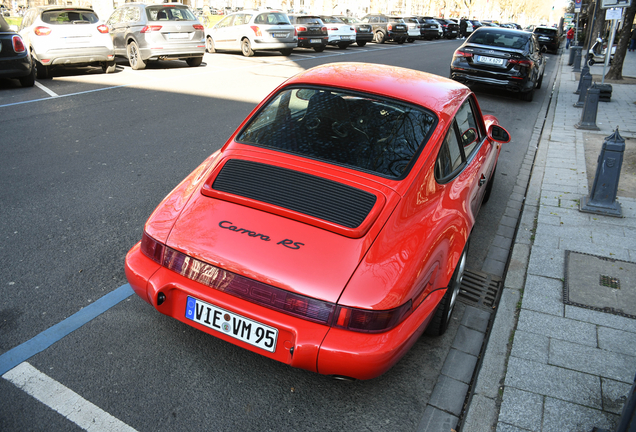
[
  {"x": 609, "y": 282},
  {"x": 480, "y": 288}
]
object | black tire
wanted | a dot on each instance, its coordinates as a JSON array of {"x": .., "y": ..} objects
[
  {"x": 286, "y": 52},
  {"x": 134, "y": 56},
  {"x": 109, "y": 67},
  {"x": 540, "y": 82},
  {"x": 591, "y": 62},
  {"x": 441, "y": 319},
  {"x": 527, "y": 96},
  {"x": 246, "y": 48},
  {"x": 400, "y": 41},
  {"x": 209, "y": 45},
  {"x": 343, "y": 45},
  {"x": 320, "y": 48},
  {"x": 361, "y": 44},
  {"x": 489, "y": 186},
  {"x": 41, "y": 71},
  {"x": 29, "y": 80},
  {"x": 379, "y": 37},
  {"x": 410, "y": 40},
  {"x": 194, "y": 61}
]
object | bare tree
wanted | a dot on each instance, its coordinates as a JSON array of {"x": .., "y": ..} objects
[{"x": 616, "y": 69}]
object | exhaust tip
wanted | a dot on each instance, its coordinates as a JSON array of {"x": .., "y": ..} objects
[{"x": 343, "y": 378}]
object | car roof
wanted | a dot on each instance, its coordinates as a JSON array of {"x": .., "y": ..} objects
[
  {"x": 60, "y": 7},
  {"x": 437, "y": 93}
]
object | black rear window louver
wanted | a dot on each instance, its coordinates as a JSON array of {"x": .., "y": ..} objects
[{"x": 294, "y": 190}]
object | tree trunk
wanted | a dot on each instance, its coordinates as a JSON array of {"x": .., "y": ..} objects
[{"x": 616, "y": 69}]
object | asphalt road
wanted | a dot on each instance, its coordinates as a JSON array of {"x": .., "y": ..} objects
[{"x": 85, "y": 158}]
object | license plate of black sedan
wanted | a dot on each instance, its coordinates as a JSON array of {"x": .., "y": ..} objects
[
  {"x": 232, "y": 324},
  {"x": 489, "y": 60}
]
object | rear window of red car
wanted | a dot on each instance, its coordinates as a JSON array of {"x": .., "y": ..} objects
[{"x": 361, "y": 131}]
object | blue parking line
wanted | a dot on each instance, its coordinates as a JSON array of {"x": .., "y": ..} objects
[{"x": 48, "y": 337}]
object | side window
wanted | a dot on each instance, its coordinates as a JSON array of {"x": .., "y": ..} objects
[
  {"x": 128, "y": 15},
  {"x": 238, "y": 19},
  {"x": 115, "y": 17},
  {"x": 225, "y": 22},
  {"x": 450, "y": 156},
  {"x": 468, "y": 128}
]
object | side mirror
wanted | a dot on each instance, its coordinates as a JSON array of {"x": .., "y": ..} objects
[{"x": 499, "y": 134}]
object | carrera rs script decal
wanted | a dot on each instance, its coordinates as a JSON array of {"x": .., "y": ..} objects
[{"x": 290, "y": 244}]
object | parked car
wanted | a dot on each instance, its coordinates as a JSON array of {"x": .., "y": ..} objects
[
  {"x": 500, "y": 57},
  {"x": 252, "y": 31},
  {"x": 312, "y": 32},
  {"x": 66, "y": 36},
  {"x": 548, "y": 37},
  {"x": 476, "y": 24},
  {"x": 450, "y": 28},
  {"x": 373, "y": 172},
  {"x": 385, "y": 28},
  {"x": 363, "y": 30},
  {"x": 15, "y": 58},
  {"x": 467, "y": 25},
  {"x": 168, "y": 31},
  {"x": 430, "y": 28},
  {"x": 413, "y": 27},
  {"x": 340, "y": 33}
]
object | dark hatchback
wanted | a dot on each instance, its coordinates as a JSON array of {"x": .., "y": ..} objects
[
  {"x": 15, "y": 58},
  {"x": 500, "y": 57},
  {"x": 548, "y": 37},
  {"x": 429, "y": 27},
  {"x": 363, "y": 30},
  {"x": 450, "y": 28},
  {"x": 312, "y": 32}
]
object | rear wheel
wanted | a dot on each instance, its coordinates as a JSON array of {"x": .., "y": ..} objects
[
  {"x": 209, "y": 44},
  {"x": 343, "y": 45},
  {"x": 441, "y": 319},
  {"x": 527, "y": 96},
  {"x": 246, "y": 48},
  {"x": 400, "y": 41},
  {"x": 410, "y": 40},
  {"x": 194, "y": 61},
  {"x": 489, "y": 186},
  {"x": 540, "y": 82},
  {"x": 41, "y": 71},
  {"x": 134, "y": 56},
  {"x": 379, "y": 37},
  {"x": 109, "y": 67},
  {"x": 29, "y": 80},
  {"x": 320, "y": 48},
  {"x": 286, "y": 52},
  {"x": 361, "y": 44}
]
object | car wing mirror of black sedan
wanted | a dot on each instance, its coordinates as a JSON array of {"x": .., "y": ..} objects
[{"x": 499, "y": 134}]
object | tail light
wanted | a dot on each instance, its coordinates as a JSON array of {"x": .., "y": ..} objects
[
  {"x": 257, "y": 30},
  {"x": 389, "y": 27},
  {"x": 152, "y": 248},
  {"x": 333, "y": 28},
  {"x": 149, "y": 29},
  {"x": 459, "y": 53},
  {"x": 197, "y": 27},
  {"x": 42, "y": 31},
  {"x": 324, "y": 29},
  {"x": 18, "y": 44},
  {"x": 102, "y": 28},
  {"x": 302, "y": 28},
  {"x": 370, "y": 321},
  {"x": 352, "y": 28},
  {"x": 526, "y": 63}
]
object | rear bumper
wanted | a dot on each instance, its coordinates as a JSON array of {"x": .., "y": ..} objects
[
  {"x": 173, "y": 53},
  {"x": 497, "y": 80},
  {"x": 17, "y": 67},
  {"x": 306, "y": 42},
  {"x": 276, "y": 45},
  {"x": 75, "y": 56},
  {"x": 364, "y": 37}
]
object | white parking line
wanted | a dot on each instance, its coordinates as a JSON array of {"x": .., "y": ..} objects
[
  {"x": 63, "y": 400},
  {"x": 46, "y": 90}
]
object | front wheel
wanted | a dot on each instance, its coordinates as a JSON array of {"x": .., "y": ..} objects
[
  {"x": 209, "y": 44},
  {"x": 246, "y": 48},
  {"x": 134, "y": 57},
  {"x": 441, "y": 319}
]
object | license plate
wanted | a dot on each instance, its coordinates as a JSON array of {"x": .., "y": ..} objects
[
  {"x": 280, "y": 35},
  {"x": 177, "y": 35},
  {"x": 315, "y": 40},
  {"x": 489, "y": 60},
  {"x": 232, "y": 324}
]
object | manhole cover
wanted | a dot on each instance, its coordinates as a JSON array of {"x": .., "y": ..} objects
[
  {"x": 600, "y": 283},
  {"x": 480, "y": 289}
]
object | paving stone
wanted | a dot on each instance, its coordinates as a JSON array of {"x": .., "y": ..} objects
[
  {"x": 435, "y": 420},
  {"x": 560, "y": 416},
  {"x": 591, "y": 360},
  {"x": 546, "y": 261},
  {"x": 468, "y": 340},
  {"x": 448, "y": 395},
  {"x": 543, "y": 294},
  {"x": 476, "y": 319},
  {"x": 557, "y": 327},
  {"x": 615, "y": 395},
  {"x": 531, "y": 346},
  {"x": 522, "y": 409},
  {"x": 617, "y": 340},
  {"x": 482, "y": 415},
  {"x": 459, "y": 366}
]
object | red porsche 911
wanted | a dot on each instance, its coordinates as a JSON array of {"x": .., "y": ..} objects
[{"x": 331, "y": 230}]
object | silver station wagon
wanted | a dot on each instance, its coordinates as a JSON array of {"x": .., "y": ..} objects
[
  {"x": 251, "y": 31},
  {"x": 169, "y": 31}
]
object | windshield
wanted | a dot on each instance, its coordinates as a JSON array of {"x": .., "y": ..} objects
[{"x": 361, "y": 131}]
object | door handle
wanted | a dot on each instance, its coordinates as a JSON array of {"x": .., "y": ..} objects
[{"x": 482, "y": 180}]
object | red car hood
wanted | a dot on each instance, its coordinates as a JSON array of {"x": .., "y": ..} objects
[{"x": 270, "y": 225}]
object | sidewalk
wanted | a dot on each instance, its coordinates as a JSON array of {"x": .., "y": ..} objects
[{"x": 551, "y": 365}]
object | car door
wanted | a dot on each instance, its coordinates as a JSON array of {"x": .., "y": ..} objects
[
  {"x": 222, "y": 33},
  {"x": 117, "y": 31}
]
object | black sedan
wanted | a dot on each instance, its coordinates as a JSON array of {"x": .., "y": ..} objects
[
  {"x": 500, "y": 57},
  {"x": 15, "y": 59},
  {"x": 548, "y": 37},
  {"x": 363, "y": 30}
]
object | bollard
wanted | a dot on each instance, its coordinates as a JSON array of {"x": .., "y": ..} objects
[
  {"x": 584, "y": 84},
  {"x": 584, "y": 71},
  {"x": 577, "y": 59},
  {"x": 588, "y": 116},
  {"x": 573, "y": 49},
  {"x": 602, "y": 199}
]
